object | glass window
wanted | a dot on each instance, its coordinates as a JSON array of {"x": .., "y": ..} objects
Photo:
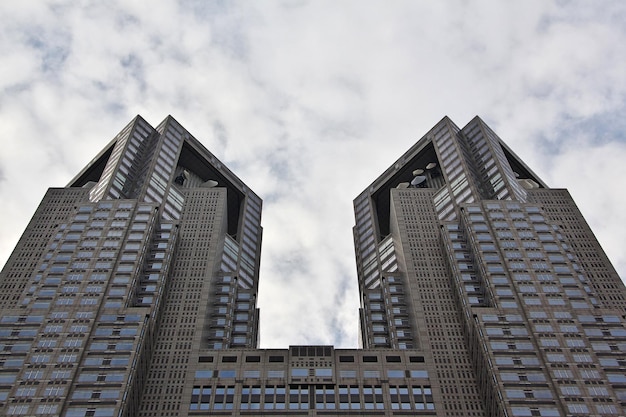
[
  {"x": 299, "y": 372},
  {"x": 578, "y": 408},
  {"x": 227, "y": 373},
  {"x": 395, "y": 373}
]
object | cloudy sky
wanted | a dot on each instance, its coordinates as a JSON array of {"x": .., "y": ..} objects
[{"x": 308, "y": 102}]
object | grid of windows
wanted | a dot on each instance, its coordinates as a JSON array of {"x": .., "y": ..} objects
[{"x": 155, "y": 240}]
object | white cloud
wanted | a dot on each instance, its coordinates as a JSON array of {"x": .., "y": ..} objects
[{"x": 308, "y": 102}]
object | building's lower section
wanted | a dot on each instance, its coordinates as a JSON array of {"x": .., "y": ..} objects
[{"x": 305, "y": 380}]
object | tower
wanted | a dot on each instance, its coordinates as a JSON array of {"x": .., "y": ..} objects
[
  {"x": 483, "y": 293},
  {"x": 148, "y": 256},
  {"x": 466, "y": 255}
]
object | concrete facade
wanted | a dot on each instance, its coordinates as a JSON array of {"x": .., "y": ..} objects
[{"x": 132, "y": 292}]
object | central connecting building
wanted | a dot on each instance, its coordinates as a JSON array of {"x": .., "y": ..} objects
[{"x": 133, "y": 292}]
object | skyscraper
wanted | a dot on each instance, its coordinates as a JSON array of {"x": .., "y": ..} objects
[
  {"x": 147, "y": 257},
  {"x": 464, "y": 254},
  {"x": 483, "y": 293}
]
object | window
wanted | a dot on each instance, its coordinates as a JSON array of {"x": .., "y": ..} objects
[
  {"x": 324, "y": 397},
  {"x": 25, "y": 392},
  {"x": 200, "y": 398},
  {"x": 606, "y": 409},
  {"x": 37, "y": 358},
  {"x": 593, "y": 374},
  {"x": 616, "y": 378},
  {"x": 597, "y": 391},
  {"x": 250, "y": 398},
  {"x": 582, "y": 358},
  {"x": 349, "y": 397},
  {"x": 400, "y": 399},
  {"x": 67, "y": 358},
  {"x": 515, "y": 393},
  {"x": 18, "y": 410},
  {"x": 299, "y": 372},
  {"x": 578, "y": 408},
  {"x": 347, "y": 373},
  {"x": 274, "y": 398},
  {"x": 7, "y": 378},
  {"x": 556, "y": 357},
  {"x": 419, "y": 374},
  {"x": 227, "y": 373},
  {"x": 32, "y": 375},
  {"x": 47, "y": 409},
  {"x": 298, "y": 397}
]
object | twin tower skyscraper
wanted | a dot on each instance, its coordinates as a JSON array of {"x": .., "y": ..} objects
[{"x": 132, "y": 292}]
